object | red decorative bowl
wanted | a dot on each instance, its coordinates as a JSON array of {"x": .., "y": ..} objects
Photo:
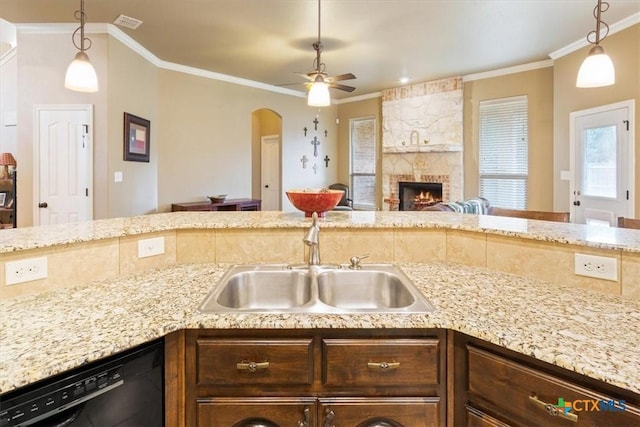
[{"x": 310, "y": 201}]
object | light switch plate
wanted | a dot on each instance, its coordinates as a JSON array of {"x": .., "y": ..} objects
[
  {"x": 599, "y": 267},
  {"x": 150, "y": 247},
  {"x": 25, "y": 270}
]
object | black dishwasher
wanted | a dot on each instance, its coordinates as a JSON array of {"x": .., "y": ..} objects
[{"x": 124, "y": 390}]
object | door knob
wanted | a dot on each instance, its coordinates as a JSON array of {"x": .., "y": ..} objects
[
  {"x": 266, "y": 186},
  {"x": 576, "y": 203},
  {"x": 43, "y": 205}
]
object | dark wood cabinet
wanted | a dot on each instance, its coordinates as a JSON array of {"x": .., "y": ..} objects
[
  {"x": 319, "y": 377},
  {"x": 227, "y": 205},
  {"x": 502, "y": 388}
]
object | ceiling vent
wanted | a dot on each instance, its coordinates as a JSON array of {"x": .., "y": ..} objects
[{"x": 127, "y": 22}]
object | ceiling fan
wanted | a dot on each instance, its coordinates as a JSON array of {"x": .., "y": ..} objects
[{"x": 319, "y": 82}]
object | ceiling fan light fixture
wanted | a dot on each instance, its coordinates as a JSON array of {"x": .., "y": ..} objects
[
  {"x": 319, "y": 95},
  {"x": 81, "y": 76},
  {"x": 597, "y": 69}
]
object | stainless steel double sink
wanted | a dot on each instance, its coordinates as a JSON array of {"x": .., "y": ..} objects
[{"x": 269, "y": 288}]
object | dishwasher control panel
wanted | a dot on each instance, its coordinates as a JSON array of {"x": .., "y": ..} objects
[{"x": 54, "y": 398}]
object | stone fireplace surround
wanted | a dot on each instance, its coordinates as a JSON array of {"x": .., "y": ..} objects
[{"x": 432, "y": 111}]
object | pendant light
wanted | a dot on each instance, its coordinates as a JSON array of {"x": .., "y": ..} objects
[
  {"x": 81, "y": 76},
  {"x": 597, "y": 69},
  {"x": 319, "y": 91}
]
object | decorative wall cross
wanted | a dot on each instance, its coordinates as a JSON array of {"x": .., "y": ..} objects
[
  {"x": 315, "y": 123},
  {"x": 315, "y": 168},
  {"x": 304, "y": 161},
  {"x": 305, "y": 131},
  {"x": 315, "y": 144},
  {"x": 326, "y": 161},
  {"x": 326, "y": 133}
]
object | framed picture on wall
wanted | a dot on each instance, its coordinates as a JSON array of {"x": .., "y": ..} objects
[{"x": 136, "y": 138}]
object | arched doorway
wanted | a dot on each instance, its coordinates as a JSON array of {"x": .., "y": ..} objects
[{"x": 266, "y": 158}]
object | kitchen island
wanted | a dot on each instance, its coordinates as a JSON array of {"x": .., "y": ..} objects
[{"x": 587, "y": 331}]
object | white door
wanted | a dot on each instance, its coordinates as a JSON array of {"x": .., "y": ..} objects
[
  {"x": 63, "y": 164},
  {"x": 270, "y": 176},
  {"x": 603, "y": 174}
]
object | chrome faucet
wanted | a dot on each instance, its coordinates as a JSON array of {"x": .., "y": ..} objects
[{"x": 312, "y": 239}]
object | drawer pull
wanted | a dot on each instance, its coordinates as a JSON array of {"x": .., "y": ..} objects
[
  {"x": 553, "y": 410},
  {"x": 246, "y": 365},
  {"x": 383, "y": 366}
]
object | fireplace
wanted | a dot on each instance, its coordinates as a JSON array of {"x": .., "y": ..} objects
[{"x": 416, "y": 195}]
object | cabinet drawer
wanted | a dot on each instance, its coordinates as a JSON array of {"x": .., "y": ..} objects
[
  {"x": 380, "y": 362},
  {"x": 262, "y": 411},
  {"x": 392, "y": 412},
  {"x": 527, "y": 396},
  {"x": 247, "y": 361},
  {"x": 477, "y": 418}
]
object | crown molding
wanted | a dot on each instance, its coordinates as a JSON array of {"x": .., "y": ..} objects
[
  {"x": 121, "y": 36},
  {"x": 614, "y": 28},
  {"x": 509, "y": 70}
]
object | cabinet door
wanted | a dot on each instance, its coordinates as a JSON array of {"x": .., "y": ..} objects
[
  {"x": 379, "y": 412},
  {"x": 252, "y": 412}
]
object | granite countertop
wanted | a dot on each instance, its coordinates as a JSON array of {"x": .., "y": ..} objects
[
  {"x": 587, "y": 332},
  {"x": 578, "y": 234}
]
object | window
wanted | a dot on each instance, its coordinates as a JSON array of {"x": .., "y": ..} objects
[
  {"x": 503, "y": 152},
  {"x": 363, "y": 162}
]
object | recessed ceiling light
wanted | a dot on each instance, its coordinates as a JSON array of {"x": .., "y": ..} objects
[{"x": 404, "y": 80}]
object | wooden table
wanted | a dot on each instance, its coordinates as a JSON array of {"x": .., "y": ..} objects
[{"x": 227, "y": 205}]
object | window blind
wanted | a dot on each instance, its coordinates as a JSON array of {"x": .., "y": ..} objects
[
  {"x": 504, "y": 140},
  {"x": 363, "y": 163}
]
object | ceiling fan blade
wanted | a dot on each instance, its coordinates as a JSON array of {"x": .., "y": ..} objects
[
  {"x": 309, "y": 76},
  {"x": 348, "y": 76},
  {"x": 342, "y": 87}
]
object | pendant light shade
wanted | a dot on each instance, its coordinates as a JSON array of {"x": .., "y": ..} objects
[
  {"x": 319, "y": 95},
  {"x": 597, "y": 69},
  {"x": 81, "y": 76}
]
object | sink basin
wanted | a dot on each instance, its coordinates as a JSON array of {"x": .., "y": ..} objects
[
  {"x": 363, "y": 289},
  {"x": 260, "y": 288},
  {"x": 269, "y": 288},
  {"x": 266, "y": 290}
]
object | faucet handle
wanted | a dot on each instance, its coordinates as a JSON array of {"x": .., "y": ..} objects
[{"x": 355, "y": 261}]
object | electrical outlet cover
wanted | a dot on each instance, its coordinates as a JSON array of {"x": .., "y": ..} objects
[
  {"x": 25, "y": 270},
  {"x": 598, "y": 267},
  {"x": 150, "y": 247}
]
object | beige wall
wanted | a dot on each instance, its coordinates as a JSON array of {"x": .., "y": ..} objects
[
  {"x": 537, "y": 85},
  {"x": 346, "y": 112},
  {"x": 624, "y": 50},
  {"x": 206, "y": 138},
  {"x": 201, "y": 129},
  {"x": 133, "y": 88}
]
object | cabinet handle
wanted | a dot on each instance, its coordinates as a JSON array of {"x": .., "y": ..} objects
[
  {"x": 305, "y": 422},
  {"x": 553, "y": 410},
  {"x": 329, "y": 415},
  {"x": 383, "y": 366},
  {"x": 252, "y": 366}
]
